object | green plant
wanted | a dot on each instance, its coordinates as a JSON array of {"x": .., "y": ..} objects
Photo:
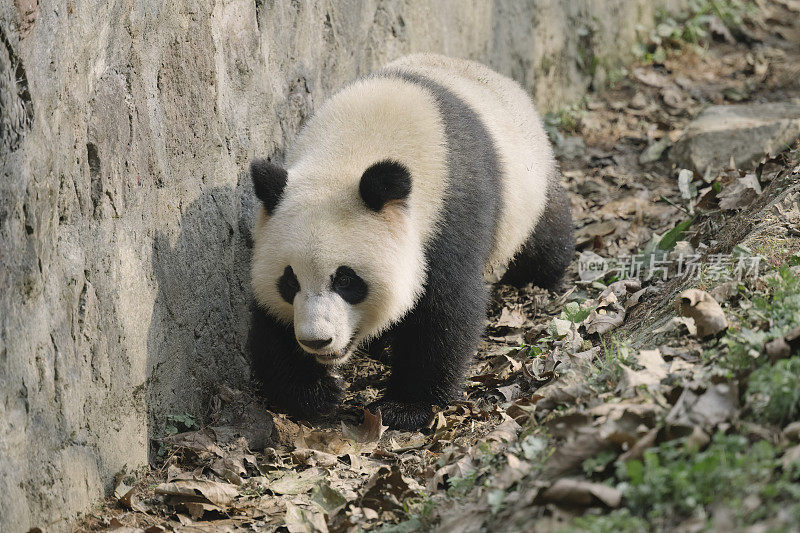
[
  {"x": 576, "y": 313},
  {"x": 765, "y": 316},
  {"x": 608, "y": 368},
  {"x": 566, "y": 119},
  {"x": 671, "y": 32},
  {"x": 676, "y": 481},
  {"x": 773, "y": 392},
  {"x": 180, "y": 423},
  {"x": 619, "y": 521}
]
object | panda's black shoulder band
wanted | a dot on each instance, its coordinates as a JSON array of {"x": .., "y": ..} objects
[
  {"x": 269, "y": 181},
  {"x": 384, "y": 182}
]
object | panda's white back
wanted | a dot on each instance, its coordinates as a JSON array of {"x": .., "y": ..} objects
[{"x": 526, "y": 158}]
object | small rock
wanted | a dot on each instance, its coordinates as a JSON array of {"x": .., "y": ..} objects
[
  {"x": 638, "y": 101},
  {"x": 777, "y": 349},
  {"x": 746, "y": 132},
  {"x": 723, "y": 292},
  {"x": 654, "y": 152},
  {"x": 571, "y": 148}
]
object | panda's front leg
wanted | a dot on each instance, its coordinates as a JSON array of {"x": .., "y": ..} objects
[
  {"x": 291, "y": 379},
  {"x": 431, "y": 349}
]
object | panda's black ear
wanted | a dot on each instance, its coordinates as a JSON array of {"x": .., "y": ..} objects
[
  {"x": 269, "y": 181},
  {"x": 384, "y": 182}
]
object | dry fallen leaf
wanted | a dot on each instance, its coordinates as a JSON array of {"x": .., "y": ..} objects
[
  {"x": 655, "y": 369},
  {"x": 703, "y": 308},
  {"x": 568, "y": 491},
  {"x": 459, "y": 468},
  {"x": 309, "y": 457},
  {"x": 130, "y": 501},
  {"x": 293, "y": 482},
  {"x": 298, "y": 520},
  {"x": 386, "y": 489},
  {"x": 199, "y": 490},
  {"x": 792, "y": 431},
  {"x": 740, "y": 193},
  {"x": 716, "y": 405},
  {"x": 507, "y": 431},
  {"x": 370, "y": 430},
  {"x": 677, "y": 323},
  {"x": 511, "y": 318},
  {"x": 197, "y": 441}
]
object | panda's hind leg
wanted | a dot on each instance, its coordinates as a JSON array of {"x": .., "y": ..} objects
[{"x": 548, "y": 251}]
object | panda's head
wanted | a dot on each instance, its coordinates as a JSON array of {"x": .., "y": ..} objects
[{"x": 336, "y": 257}]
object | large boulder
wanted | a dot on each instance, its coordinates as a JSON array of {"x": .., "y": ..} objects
[{"x": 744, "y": 132}]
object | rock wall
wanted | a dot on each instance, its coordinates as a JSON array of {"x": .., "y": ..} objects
[{"x": 125, "y": 205}]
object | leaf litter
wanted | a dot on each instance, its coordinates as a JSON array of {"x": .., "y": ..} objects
[{"x": 567, "y": 388}]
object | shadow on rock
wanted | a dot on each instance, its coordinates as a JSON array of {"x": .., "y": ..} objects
[{"x": 198, "y": 333}]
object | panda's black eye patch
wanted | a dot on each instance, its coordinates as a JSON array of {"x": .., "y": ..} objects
[
  {"x": 288, "y": 286},
  {"x": 349, "y": 285}
]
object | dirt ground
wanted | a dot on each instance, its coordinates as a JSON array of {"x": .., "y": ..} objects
[{"x": 571, "y": 392}]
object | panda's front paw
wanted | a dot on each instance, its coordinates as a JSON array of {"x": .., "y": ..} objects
[
  {"x": 403, "y": 415},
  {"x": 315, "y": 398}
]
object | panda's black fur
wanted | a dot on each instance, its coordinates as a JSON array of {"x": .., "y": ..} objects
[{"x": 433, "y": 343}]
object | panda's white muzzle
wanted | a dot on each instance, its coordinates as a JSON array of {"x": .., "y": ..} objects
[{"x": 322, "y": 326}]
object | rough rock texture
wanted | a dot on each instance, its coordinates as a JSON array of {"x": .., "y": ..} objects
[
  {"x": 746, "y": 132},
  {"x": 126, "y": 129}
]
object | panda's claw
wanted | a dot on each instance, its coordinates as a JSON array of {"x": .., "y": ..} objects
[{"x": 407, "y": 416}]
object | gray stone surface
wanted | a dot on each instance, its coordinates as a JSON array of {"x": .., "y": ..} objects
[
  {"x": 746, "y": 132},
  {"x": 125, "y": 206}
]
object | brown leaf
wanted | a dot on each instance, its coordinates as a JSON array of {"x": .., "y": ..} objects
[
  {"x": 792, "y": 431},
  {"x": 293, "y": 482},
  {"x": 791, "y": 457},
  {"x": 284, "y": 431},
  {"x": 636, "y": 451},
  {"x": 198, "y": 510},
  {"x": 704, "y": 309},
  {"x": 708, "y": 409},
  {"x": 329, "y": 441},
  {"x": 299, "y": 520},
  {"x": 740, "y": 193},
  {"x": 655, "y": 369},
  {"x": 680, "y": 324},
  {"x": 199, "y": 490},
  {"x": 460, "y": 468},
  {"x": 777, "y": 349},
  {"x": 438, "y": 422},
  {"x": 309, "y": 457},
  {"x": 569, "y": 456},
  {"x": 590, "y": 232},
  {"x": 130, "y": 501},
  {"x": 511, "y": 318},
  {"x": 507, "y": 431},
  {"x": 568, "y": 491},
  {"x": 197, "y": 441},
  {"x": 386, "y": 489},
  {"x": 370, "y": 430}
]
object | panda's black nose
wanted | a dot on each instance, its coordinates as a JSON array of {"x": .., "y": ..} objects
[{"x": 315, "y": 344}]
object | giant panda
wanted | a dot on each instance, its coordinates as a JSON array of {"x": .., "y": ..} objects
[{"x": 401, "y": 197}]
